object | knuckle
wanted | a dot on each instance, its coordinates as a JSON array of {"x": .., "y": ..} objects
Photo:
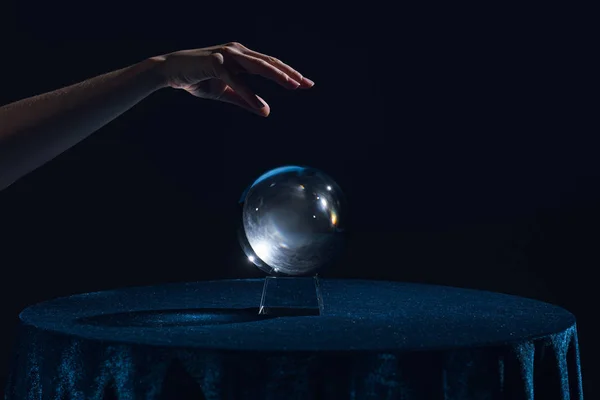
[
  {"x": 216, "y": 58},
  {"x": 274, "y": 60},
  {"x": 234, "y": 44},
  {"x": 216, "y": 65}
]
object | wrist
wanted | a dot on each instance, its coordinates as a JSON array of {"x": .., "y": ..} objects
[{"x": 154, "y": 69}]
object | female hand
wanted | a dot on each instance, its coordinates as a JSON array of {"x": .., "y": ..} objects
[
  {"x": 216, "y": 73},
  {"x": 35, "y": 130}
]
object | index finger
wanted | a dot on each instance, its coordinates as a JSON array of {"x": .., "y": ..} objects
[
  {"x": 260, "y": 67},
  {"x": 297, "y": 76}
]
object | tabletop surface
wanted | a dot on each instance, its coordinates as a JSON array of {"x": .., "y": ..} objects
[{"x": 358, "y": 315}]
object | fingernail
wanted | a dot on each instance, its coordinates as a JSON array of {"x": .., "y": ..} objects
[
  {"x": 311, "y": 83},
  {"x": 294, "y": 84}
]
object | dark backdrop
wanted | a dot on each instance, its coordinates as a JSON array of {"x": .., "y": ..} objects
[{"x": 462, "y": 138}]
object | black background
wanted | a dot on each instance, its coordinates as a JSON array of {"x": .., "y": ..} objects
[{"x": 463, "y": 139}]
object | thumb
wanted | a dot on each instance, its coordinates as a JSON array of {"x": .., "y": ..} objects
[
  {"x": 238, "y": 85},
  {"x": 230, "y": 96}
]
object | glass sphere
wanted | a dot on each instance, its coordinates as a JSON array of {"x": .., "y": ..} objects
[{"x": 292, "y": 221}]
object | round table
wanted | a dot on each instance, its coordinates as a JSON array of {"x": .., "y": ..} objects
[{"x": 373, "y": 340}]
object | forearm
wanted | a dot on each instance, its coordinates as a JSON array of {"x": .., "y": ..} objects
[{"x": 35, "y": 130}]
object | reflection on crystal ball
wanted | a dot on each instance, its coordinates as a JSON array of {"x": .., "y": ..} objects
[{"x": 292, "y": 221}]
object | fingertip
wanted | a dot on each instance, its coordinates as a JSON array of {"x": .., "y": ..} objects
[
  {"x": 259, "y": 104},
  {"x": 307, "y": 82},
  {"x": 292, "y": 84},
  {"x": 263, "y": 111}
]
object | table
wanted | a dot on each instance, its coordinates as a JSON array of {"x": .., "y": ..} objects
[{"x": 374, "y": 340}]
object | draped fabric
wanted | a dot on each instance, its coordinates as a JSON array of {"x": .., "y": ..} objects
[{"x": 375, "y": 340}]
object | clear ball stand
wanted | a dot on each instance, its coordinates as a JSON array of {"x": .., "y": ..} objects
[{"x": 291, "y": 296}]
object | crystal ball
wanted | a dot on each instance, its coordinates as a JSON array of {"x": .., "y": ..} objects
[{"x": 292, "y": 221}]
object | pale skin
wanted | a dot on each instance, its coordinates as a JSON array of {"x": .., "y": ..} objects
[{"x": 35, "y": 130}]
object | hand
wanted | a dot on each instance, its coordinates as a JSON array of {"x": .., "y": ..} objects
[{"x": 215, "y": 73}]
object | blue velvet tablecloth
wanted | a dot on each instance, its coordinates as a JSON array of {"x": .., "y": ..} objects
[{"x": 374, "y": 340}]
